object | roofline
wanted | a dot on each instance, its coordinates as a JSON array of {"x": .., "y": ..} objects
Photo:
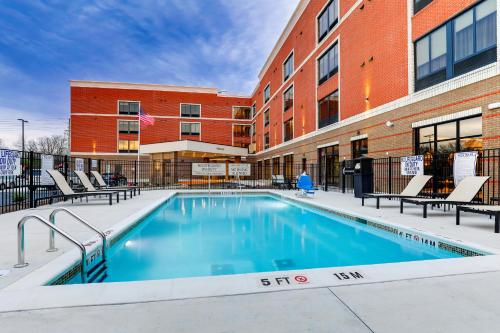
[
  {"x": 284, "y": 35},
  {"x": 149, "y": 86}
]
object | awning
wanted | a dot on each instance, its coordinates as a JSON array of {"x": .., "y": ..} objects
[{"x": 192, "y": 146}]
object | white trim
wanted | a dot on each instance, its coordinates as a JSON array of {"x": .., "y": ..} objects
[
  {"x": 448, "y": 117},
  {"x": 329, "y": 144},
  {"x": 158, "y": 117},
  {"x": 77, "y": 153},
  {"x": 288, "y": 154},
  {"x": 275, "y": 156},
  {"x": 494, "y": 106},
  {"x": 180, "y": 110},
  {"x": 197, "y": 146},
  {"x": 188, "y": 122},
  {"x": 359, "y": 137}
]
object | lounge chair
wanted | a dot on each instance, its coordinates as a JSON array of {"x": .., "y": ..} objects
[
  {"x": 306, "y": 186},
  {"x": 68, "y": 193},
  {"x": 90, "y": 188},
  {"x": 278, "y": 181},
  {"x": 412, "y": 190},
  {"x": 481, "y": 209},
  {"x": 463, "y": 194},
  {"x": 102, "y": 184}
]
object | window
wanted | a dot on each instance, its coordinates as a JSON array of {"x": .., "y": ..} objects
[
  {"x": 254, "y": 109},
  {"x": 190, "y": 110},
  {"x": 288, "y": 99},
  {"x": 130, "y": 108},
  {"x": 288, "y": 130},
  {"x": 267, "y": 93},
  {"x": 128, "y": 146},
  {"x": 266, "y": 141},
  {"x": 253, "y": 131},
  {"x": 329, "y": 166},
  {"x": 266, "y": 117},
  {"x": 328, "y": 64},
  {"x": 288, "y": 166},
  {"x": 359, "y": 148},
  {"x": 241, "y": 131},
  {"x": 458, "y": 135},
  {"x": 328, "y": 18},
  {"x": 419, "y": 4},
  {"x": 267, "y": 169},
  {"x": 459, "y": 46},
  {"x": 276, "y": 166},
  {"x": 328, "y": 109},
  {"x": 288, "y": 67},
  {"x": 190, "y": 128},
  {"x": 129, "y": 127},
  {"x": 242, "y": 112}
]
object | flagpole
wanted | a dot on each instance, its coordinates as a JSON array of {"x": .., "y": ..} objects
[{"x": 139, "y": 150}]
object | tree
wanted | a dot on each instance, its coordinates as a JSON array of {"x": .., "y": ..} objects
[
  {"x": 54, "y": 144},
  {"x": 2, "y": 144}
]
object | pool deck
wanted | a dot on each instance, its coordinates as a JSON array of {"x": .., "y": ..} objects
[{"x": 460, "y": 296}]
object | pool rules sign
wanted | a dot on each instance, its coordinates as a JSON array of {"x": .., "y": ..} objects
[
  {"x": 412, "y": 165},
  {"x": 208, "y": 169},
  {"x": 10, "y": 162}
]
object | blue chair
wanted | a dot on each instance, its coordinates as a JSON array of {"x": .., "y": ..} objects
[{"x": 306, "y": 186}]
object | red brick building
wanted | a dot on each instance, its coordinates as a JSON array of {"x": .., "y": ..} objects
[{"x": 346, "y": 78}]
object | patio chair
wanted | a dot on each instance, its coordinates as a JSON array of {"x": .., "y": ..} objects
[
  {"x": 463, "y": 194},
  {"x": 279, "y": 181},
  {"x": 481, "y": 209},
  {"x": 306, "y": 186},
  {"x": 90, "y": 188},
  {"x": 102, "y": 184},
  {"x": 412, "y": 190},
  {"x": 68, "y": 193}
]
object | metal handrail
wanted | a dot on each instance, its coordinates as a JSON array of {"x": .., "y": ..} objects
[
  {"x": 20, "y": 243},
  {"x": 52, "y": 219}
]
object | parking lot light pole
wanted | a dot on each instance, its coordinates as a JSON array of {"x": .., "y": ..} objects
[{"x": 22, "y": 133}]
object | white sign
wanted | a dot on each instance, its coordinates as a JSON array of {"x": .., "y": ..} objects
[
  {"x": 94, "y": 164},
  {"x": 239, "y": 170},
  {"x": 209, "y": 169},
  {"x": 412, "y": 165},
  {"x": 464, "y": 165},
  {"x": 79, "y": 166},
  {"x": 10, "y": 162},
  {"x": 47, "y": 164}
]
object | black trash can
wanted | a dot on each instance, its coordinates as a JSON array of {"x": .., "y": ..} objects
[{"x": 363, "y": 176}]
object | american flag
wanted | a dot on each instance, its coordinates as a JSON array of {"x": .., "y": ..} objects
[{"x": 146, "y": 119}]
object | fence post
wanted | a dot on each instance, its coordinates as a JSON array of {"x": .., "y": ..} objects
[
  {"x": 342, "y": 169},
  {"x": 135, "y": 173},
  {"x": 390, "y": 175},
  {"x": 89, "y": 167},
  {"x": 326, "y": 173},
  {"x": 65, "y": 167},
  {"x": 31, "y": 185}
]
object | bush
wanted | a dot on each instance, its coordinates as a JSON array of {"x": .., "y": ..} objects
[{"x": 18, "y": 197}]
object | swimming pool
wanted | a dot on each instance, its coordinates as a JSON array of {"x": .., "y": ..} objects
[{"x": 200, "y": 235}]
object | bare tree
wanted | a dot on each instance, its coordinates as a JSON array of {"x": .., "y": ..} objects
[
  {"x": 54, "y": 144},
  {"x": 2, "y": 144}
]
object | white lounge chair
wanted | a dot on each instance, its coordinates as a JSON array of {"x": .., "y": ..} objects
[
  {"x": 102, "y": 184},
  {"x": 463, "y": 194},
  {"x": 412, "y": 190},
  {"x": 68, "y": 193},
  {"x": 90, "y": 188}
]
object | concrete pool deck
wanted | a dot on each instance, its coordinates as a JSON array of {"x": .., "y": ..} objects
[{"x": 461, "y": 299}]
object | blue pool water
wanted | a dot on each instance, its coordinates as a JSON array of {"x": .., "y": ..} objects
[{"x": 200, "y": 236}]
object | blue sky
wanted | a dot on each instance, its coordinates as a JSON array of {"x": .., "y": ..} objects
[{"x": 43, "y": 44}]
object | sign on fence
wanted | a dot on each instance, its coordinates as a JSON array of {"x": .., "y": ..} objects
[
  {"x": 208, "y": 169},
  {"x": 47, "y": 164},
  {"x": 239, "y": 170},
  {"x": 10, "y": 162},
  {"x": 94, "y": 164},
  {"x": 79, "y": 164},
  {"x": 412, "y": 165},
  {"x": 464, "y": 165}
]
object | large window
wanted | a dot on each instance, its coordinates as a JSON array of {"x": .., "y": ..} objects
[
  {"x": 328, "y": 109},
  {"x": 288, "y": 166},
  {"x": 190, "y": 128},
  {"x": 288, "y": 67},
  {"x": 129, "y": 108},
  {"x": 241, "y": 131},
  {"x": 457, "y": 135},
  {"x": 329, "y": 166},
  {"x": 254, "y": 109},
  {"x": 266, "y": 117},
  {"x": 128, "y": 127},
  {"x": 328, "y": 64},
  {"x": 267, "y": 93},
  {"x": 190, "y": 110},
  {"x": 328, "y": 18},
  {"x": 276, "y": 166},
  {"x": 128, "y": 146},
  {"x": 288, "y": 130},
  {"x": 288, "y": 99},
  {"x": 253, "y": 131},
  {"x": 266, "y": 140},
  {"x": 359, "y": 148},
  {"x": 242, "y": 112},
  {"x": 419, "y": 4},
  {"x": 461, "y": 45}
]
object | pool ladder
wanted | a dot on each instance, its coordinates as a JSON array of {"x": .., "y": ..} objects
[{"x": 97, "y": 273}]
